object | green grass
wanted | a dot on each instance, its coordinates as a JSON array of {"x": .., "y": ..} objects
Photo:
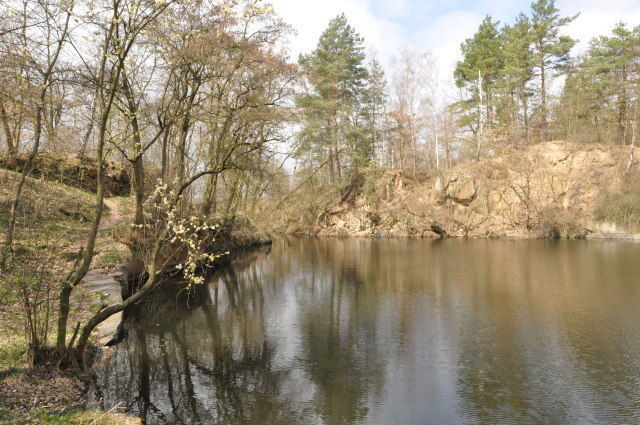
[
  {"x": 40, "y": 220},
  {"x": 110, "y": 259},
  {"x": 11, "y": 354}
]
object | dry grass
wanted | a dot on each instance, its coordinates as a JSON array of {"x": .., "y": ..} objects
[
  {"x": 622, "y": 206},
  {"x": 74, "y": 418}
]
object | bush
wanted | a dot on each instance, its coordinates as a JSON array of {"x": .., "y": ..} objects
[
  {"x": 30, "y": 285},
  {"x": 557, "y": 224}
]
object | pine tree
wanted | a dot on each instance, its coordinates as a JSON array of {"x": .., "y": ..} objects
[
  {"x": 478, "y": 71},
  {"x": 601, "y": 93},
  {"x": 613, "y": 59},
  {"x": 551, "y": 50},
  {"x": 517, "y": 72},
  {"x": 374, "y": 111},
  {"x": 337, "y": 75}
]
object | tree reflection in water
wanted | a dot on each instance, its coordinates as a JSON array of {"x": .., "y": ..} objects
[
  {"x": 209, "y": 363},
  {"x": 362, "y": 331}
]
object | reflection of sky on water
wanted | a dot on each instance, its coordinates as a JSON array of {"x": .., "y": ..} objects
[{"x": 359, "y": 331}]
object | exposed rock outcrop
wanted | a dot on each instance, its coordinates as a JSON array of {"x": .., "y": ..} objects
[{"x": 547, "y": 190}]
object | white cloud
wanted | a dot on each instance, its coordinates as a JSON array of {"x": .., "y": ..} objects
[
  {"x": 310, "y": 19},
  {"x": 444, "y": 36},
  {"x": 436, "y": 25},
  {"x": 598, "y": 17}
]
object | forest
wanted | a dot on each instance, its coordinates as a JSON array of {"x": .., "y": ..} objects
[{"x": 197, "y": 110}]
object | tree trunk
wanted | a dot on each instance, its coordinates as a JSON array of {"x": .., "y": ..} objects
[
  {"x": 209, "y": 205},
  {"x": 543, "y": 98},
  {"x": 37, "y": 133},
  {"x": 26, "y": 170},
  {"x": 182, "y": 150},
  {"x": 137, "y": 184},
  {"x": 525, "y": 112},
  {"x": 622, "y": 108},
  {"x": 105, "y": 313},
  {"x": 165, "y": 154},
  {"x": 87, "y": 135},
  {"x": 12, "y": 148}
]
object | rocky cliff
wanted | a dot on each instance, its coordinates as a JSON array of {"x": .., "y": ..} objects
[{"x": 553, "y": 189}]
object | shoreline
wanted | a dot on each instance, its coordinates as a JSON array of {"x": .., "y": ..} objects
[{"x": 628, "y": 237}]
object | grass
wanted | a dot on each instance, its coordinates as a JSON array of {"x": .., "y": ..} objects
[
  {"x": 110, "y": 259},
  {"x": 40, "y": 219},
  {"x": 11, "y": 353},
  {"x": 622, "y": 206},
  {"x": 51, "y": 225},
  {"x": 73, "y": 418}
]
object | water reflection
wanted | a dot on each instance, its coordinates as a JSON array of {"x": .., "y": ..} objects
[{"x": 360, "y": 331}]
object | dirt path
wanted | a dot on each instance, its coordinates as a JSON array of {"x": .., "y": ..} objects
[{"x": 113, "y": 216}]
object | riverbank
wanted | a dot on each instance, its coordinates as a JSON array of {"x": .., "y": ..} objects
[
  {"x": 54, "y": 219},
  {"x": 549, "y": 190}
]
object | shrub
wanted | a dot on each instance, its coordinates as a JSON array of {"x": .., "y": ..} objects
[
  {"x": 555, "y": 223},
  {"x": 32, "y": 282}
]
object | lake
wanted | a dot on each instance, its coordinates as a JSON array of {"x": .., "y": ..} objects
[{"x": 391, "y": 331}]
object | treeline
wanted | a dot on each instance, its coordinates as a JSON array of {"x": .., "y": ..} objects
[
  {"x": 189, "y": 86},
  {"x": 352, "y": 117},
  {"x": 506, "y": 74},
  {"x": 516, "y": 84},
  {"x": 601, "y": 95}
]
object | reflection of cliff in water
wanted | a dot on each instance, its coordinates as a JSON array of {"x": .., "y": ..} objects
[{"x": 549, "y": 338}]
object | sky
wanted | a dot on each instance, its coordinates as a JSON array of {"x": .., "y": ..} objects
[{"x": 438, "y": 25}]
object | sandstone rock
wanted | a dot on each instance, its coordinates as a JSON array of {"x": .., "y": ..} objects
[
  {"x": 439, "y": 184},
  {"x": 507, "y": 195},
  {"x": 608, "y": 228},
  {"x": 467, "y": 191},
  {"x": 553, "y": 153}
]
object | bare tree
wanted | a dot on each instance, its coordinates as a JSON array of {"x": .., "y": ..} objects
[{"x": 43, "y": 44}]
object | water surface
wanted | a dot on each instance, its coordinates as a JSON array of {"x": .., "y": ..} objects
[{"x": 365, "y": 331}]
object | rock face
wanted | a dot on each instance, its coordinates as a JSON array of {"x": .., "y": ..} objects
[{"x": 546, "y": 190}]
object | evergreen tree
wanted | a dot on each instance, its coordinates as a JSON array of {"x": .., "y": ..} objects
[
  {"x": 601, "y": 93},
  {"x": 374, "y": 111},
  {"x": 517, "y": 72},
  {"x": 331, "y": 110},
  {"x": 614, "y": 59},
  {"x": 551, "y": 50},
  {"x": 480, "y": 69}
]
